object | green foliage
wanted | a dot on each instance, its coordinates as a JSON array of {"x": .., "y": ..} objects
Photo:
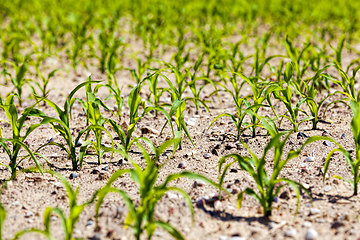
[
  {"x": 268, "y": 184},
  {"x": 62, "y": 125},
  {"x": 141, "y": 216},
  {"x": 353, "y": 162},
  {"x": 18, "y": 139}
]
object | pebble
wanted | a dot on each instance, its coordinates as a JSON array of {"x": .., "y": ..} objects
[
  {"x": 301, "y": 134},
  {"x": 73, "y": 175},
  {"x": 217, "y": 205},
  {"x": 352, "y": 232},
  {"x": 314, "y": 211},
  {"x": 191, "y": 122},
  {"x": 58, "y": 185},
  {"x": 311, "y": 234},
  {"x": 236, "y": 238},
  {"x": 90, "y": 223},
  {"x": 106, "y": 168},
  {"x": 291, "y": 232},
  {"x": 307, "y": 224},
  {"x": 207, "y": 155},
  {"x": 182, "y": 165},
  {"x": 343, "y": 136},
  {"x": 336, "y": 224},
  {"x": 29, "y": 214},
  {"x": 198, "y": 183},
  {"x": 285, "y": 195},
  {"x": 15, "y": 204},
  {"x": 327, "y": 188},
  {"x": 97, "y": 236},
  {"x": 327, "y": 143},
  {"x": 309, "y": 159},
  {"x": 172, "y": 195}
]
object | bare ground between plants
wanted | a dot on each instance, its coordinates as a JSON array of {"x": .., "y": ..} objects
[{"x": 333, "y": 213}]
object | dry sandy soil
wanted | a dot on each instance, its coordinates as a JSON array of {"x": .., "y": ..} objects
[{"x": 333, "y": 212}]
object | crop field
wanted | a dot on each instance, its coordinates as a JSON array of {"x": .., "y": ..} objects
[{"x": 203, "y": 119}]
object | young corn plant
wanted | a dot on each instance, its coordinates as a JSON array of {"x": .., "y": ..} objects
[
  {"x": 353, "y": 162},
  {"x": 123, "y": 132},
  {"x": 18, "y": 80},
  {"x": 260, "y": 92},
  {"x": 97, "y": 123},
  {"x": 177, "y": 107},
  {"x": 310, "y": 96},
  {"x": 141, "y": 216},
  {"x": 68, "y": 223},
  {"x": 285, "y": 94},
  {"x": 43, "y": 87},
  {"x": 62, "y": 125},
  {"x": 194, "y": 82},
  {"x": 18, "y": 139},
  {"x": 268, "y": 184}
]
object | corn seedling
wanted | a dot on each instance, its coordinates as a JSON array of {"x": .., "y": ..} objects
[
  {"x": 353, "y": 162},
  {"x": 123, "y": 132},
  {"x": 19, "y": 79},
  {"x": 62, "y": 125},
  {"x": 141, "y": 216},
  {"x": 285, "y": 94},
  {"x": 18, "y": 140},
  {"x": 268, "y": 186},
  {"x": 43, "y": 87}
]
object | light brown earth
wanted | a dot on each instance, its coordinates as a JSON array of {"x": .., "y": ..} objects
[{"x": 335, "y": 213}]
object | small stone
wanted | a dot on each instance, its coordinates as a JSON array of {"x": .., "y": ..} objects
[
  {"x": 343, "y": 136},
  {"x": 73, "y": 175},
  {"x": 285, "y": 195},
  {"x": 336, "y": 224},
  {"x": 90, "y": 223},
  {"x": 198, "y": 183},
  {"x": 327, "y": 143},
  {"x": 95, "y": 171},
  {"x": 53, "y": 218},
  {"x": 182, "y": 165},
  {"x": 307, "y": 224},
  {"x": 172, "y": 195},
  {"x": 302, "y": 135},
  {"x": 305, "y": 185},
  {"x": 327, "y": 188},
  {"x": 311, "y": 234},
  {"x": 314, "y": 211},
  {"x": 217, "y": 205},
  {"x": 97, "y": 236},
  {"x": 106, "y": 168},
  {"x": 309, "y": 159},
  {"x": 29, "y": 214},
  {"x": 352, "y": 232},
  {"x": 320, "y": 220},
  {"x": 207, "y": 155},
  {"x": 191, "y": 122},
  {"x": 233, "y": 170},
  {"x": 147, "y": 130},
  {"x": 15, "y": 204},
  {"x": 237, "y": 238},
  {"x": 291, "y": 232}
]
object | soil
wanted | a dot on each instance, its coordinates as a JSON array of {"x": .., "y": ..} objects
[{"x": 333, "y": 212}]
